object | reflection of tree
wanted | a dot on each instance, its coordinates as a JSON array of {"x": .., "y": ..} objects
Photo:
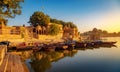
[
  {"x": 40, "y": 65},
  {"x": 25, "y": 54},
  {"x": 41, "y": 61},
  {"x": 55, "y": 56},
  {"x": 70, "y": 53}
]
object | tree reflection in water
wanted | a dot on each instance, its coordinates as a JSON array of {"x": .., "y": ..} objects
[
  {"x": 40, "y": 65},
  {"x": 41, "y": 61}
]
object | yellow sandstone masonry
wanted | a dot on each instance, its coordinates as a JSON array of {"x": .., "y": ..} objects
[{"x": 29, "y": 33}]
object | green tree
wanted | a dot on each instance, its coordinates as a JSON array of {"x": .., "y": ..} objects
[
  {"x": 71, "y": 25},
  {"x": 68, "y": 24},
  {"x": 95, "y": 30},
  {"x": 54, "y": 29},
  {"x": 5, "y": 21},
  {"x": 39, "y": 18},
  {"x": 104, "y": 32},
  {"x": 10, "y": 8},
  {"x": 118, "y": 33},
  {"x": 54, "y": 21}
]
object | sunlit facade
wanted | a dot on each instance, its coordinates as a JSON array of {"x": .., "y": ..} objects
[{"x": 30, "y": 32}]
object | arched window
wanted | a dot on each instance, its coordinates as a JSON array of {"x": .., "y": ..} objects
[
  {"x": 11, "y": 32},
  {"x": 34, "y": 30},
  {"x": 40, "y": 32},
  {"x": 37, "y": 32}
]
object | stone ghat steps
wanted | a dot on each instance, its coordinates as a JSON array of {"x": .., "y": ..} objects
[{"x": 12, "y": 63}]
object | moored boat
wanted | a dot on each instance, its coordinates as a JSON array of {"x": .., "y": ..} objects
[
  {"x": 89, "y": 44},
  {"x": 110, "y": 43},
  {"x": 80, "y": 44},
  {"x": 49, "y": 47},
  {"x": 21, "y": 46},
  {"x": 71, "y": 46},
  {"x": 103, "y": 43},
  {"x": 61, "y": 46},
  {"x": 37, "y": 48}
]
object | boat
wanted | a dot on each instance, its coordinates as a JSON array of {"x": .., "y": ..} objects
[
  {"x": 110, "y": 43},
  {"x": 37, "y": 48},
  {"x": 21, "y": 46},
  {"x": 103, "y": 43},
  {"x": 80, "y": 44},
  {"x": 49, "y": 47},
  {"x": 5, "y": 43},
  {"x": 61, "y": 46},
  {"x": 89, "y": 44},
  {"x": 71, "y": 46},
  {"x": 70, "y": 43}
]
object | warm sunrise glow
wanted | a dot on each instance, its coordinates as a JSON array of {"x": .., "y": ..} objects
[
  {"x": 111, "y": 22},
  {"x": 108, "y": 19}
]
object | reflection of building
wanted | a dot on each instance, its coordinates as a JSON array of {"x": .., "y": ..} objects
[{"x": 29, "y": 32}]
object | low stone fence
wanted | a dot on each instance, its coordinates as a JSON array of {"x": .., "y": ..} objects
[{"x": 3, "y": 51}]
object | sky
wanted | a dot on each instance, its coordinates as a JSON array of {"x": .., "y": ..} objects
[{"x": 86, "y": 14}]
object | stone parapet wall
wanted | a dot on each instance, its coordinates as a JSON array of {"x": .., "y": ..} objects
[
  {"x": 8, "y": 37},
  {"x": 49, "y": 38}
]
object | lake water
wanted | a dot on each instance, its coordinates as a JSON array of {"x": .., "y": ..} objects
[{"x": 102, "y": 59}]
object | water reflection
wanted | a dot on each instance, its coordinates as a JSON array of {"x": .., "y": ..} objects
[
  {"x": 91, "y": 59},
  {"x": 41, "y": 61},
  {"x": 97, "y": 47}
]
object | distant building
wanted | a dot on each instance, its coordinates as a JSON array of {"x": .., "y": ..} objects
[{"x": 90, "y": 36}]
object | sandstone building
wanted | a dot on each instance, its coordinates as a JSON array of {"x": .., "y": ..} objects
[{"x": 29, "y": 33}]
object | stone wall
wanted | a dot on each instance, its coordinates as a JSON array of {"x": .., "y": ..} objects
[
  {"x": 8, "y": 37},
  {"x": 49, "y": 38}
]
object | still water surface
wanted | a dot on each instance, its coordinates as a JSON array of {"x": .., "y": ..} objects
[{"x": 102, "y": 59}]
